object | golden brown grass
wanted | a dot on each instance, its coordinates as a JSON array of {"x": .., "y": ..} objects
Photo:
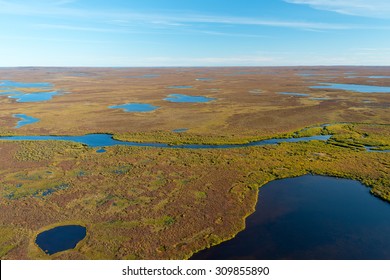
[{"x": 151, "y": 203}]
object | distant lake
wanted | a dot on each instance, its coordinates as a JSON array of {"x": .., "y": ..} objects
[
  {"x": 311, "y": 217},
  {"x": 319, "y": 98},
  {"x": 12, "y": 84},
  {"x": 179, "y": 130},
  {"x": 22, "y": 91},
  {"x": 353, "y": 87},
  {"x": 135, "y": 107},
  {"x": 316, "y": 75},
  {"x": 370, "y": 77},
  {"x": 204, "y": 79},
  {"x": 255, "y": 91},
  {"x": 34, "y": 97},
  {"x": 182, "y": 98},
  {"x": 146, "y": 76},
  {"x": 180, "y": 87},
  {"x": 379, "y": 77},
  {"x": 25, "y": 120},
  {"x": 294, "y": 93},
  {"x": 60, "y": 238}
]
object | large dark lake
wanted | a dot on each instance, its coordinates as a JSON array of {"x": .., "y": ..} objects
[{"x": 311, "y": 217}]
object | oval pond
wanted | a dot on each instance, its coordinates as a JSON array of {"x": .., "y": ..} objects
[{"x": 60, "y": 238}]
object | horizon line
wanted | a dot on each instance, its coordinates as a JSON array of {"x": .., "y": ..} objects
[{"x": 205, "y": 66}]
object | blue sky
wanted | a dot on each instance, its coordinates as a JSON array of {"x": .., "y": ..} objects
[{"x": 194, "y": 32}]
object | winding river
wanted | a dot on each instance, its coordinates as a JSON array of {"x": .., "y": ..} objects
[{"x": 106, "y": 140}]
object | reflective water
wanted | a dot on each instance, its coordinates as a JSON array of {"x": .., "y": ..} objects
[
  {"x": 33, "y": 97},
  {"x": 146, "y": 76},
  {"x": 379, "y": 77},
  {"x": 23, "y": 92},
  {"x": 204, "y": 79},
  {"x": 179, "y": 130},
  {"x": 12, "y": 84},
  {"x": 105, "y": 140},
  {"x": 182, "y": 98},
  {"x": 294, "y": 93},
  {"x": 60, "y": 238},
  {"x": 255, "y": 91},
  {"x": 25, "y": 120},
  {"x": 180, "y": 87},
  {"x": 135, "y": 107},
  {"x": 311, "y": 217},
  {"x": 319, "y": 98},
  {"x": 353, "y": 87}
]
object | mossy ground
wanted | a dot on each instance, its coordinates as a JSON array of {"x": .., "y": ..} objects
[{"x": 152, "y": 203}]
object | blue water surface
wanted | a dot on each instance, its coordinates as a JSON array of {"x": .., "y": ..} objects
[
  {"x": 180, "y": 130},
  {"x": 25, "y": 120},
  {"x": 106, "y": 140},
  {"x": 12, "y": 84},
  {"x": 204, "y": 79},
  {"x": 11, "y": 89},
  {"x": 319, "y": 98},
  {"x": 379, "y": 77},
  {"x": 311, "y": 218},
  {"x": 180, "y": 87},
  {"x": 60, "y": 238},
  {"x": 146, "y": 76},
  {"x": 294, "y": 93},
  {"x": 353, "y": 87},
  {"x": 182, "y": 98},
  {"x": 33, "y": 97},
  {"x": 135, "y": 107}
]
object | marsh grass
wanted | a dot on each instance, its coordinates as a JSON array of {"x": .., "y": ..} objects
[{"x": 152, "y": 203}]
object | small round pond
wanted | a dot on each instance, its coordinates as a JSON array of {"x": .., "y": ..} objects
[
  {"x": 311, "y": 217},
  {"x": 60, "y": 238}
]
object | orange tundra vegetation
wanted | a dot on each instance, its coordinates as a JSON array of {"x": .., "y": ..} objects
[{"x": 156, "y": 203}]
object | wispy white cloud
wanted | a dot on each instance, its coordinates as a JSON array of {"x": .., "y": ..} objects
[
  {"x": 366, "y": 8},
  {"x": 63, "y": 2},
  {"x": 81, "y": 28},
  {"x": 129, "y": 29},
  {"x": 262, "y": 22},
  {"x": 171, "y": 19},
  {"x": 217, "y": 33}
]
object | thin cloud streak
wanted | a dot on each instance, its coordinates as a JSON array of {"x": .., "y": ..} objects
[
  {"x": 172, "y": 20},
  {"x": 366, "y": 8},
  {"x": 80, "y": 28}
]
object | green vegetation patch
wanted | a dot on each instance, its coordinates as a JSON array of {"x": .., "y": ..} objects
[{"x": 46, "y": 150}]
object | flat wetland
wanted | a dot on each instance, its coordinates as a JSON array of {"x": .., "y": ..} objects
[{"x": 159, "y": 203}]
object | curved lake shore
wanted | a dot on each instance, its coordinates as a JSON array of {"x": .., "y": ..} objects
[{"x": 311, "y": 217}]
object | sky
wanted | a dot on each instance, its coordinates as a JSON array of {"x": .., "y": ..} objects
[{"x": 133, "y": 33}]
